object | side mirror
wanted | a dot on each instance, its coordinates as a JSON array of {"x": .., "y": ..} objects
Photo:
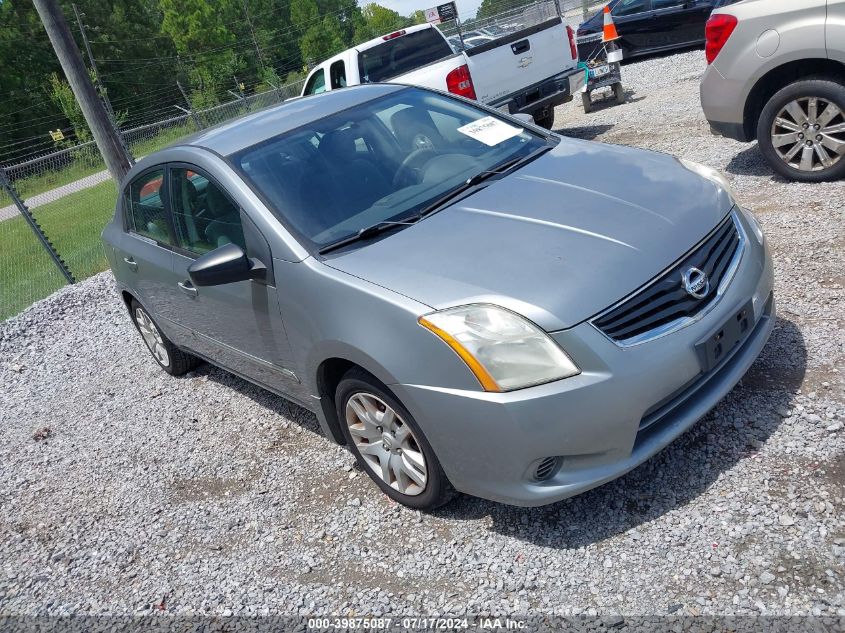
[
  {"x": 522, "y": 116},
  {"x": 225, "y": 265}
]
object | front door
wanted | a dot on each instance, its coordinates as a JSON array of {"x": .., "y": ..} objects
[{"x": 237, "y": 325}]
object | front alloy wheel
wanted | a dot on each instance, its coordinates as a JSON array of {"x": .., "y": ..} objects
[{"x": 386, "y": 443}]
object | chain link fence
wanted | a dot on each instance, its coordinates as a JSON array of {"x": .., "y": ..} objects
[{"x": 61, "y": 201}]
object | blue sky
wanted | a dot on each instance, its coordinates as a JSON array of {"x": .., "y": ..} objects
[{"x": 466, "y": 8}]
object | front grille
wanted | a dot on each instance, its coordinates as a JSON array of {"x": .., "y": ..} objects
[{"x": 665, "y": 303}]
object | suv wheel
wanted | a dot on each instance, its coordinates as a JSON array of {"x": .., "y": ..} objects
[
  {"x": 169, "y": 357},
  {"x": 388, "y": 444},
  {"x": 801, "y": 131}
]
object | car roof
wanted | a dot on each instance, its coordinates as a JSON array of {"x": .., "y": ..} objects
[{"x": 245, "y": 131}]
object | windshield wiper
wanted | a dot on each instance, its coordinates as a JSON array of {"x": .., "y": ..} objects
[
  {"x": 480, "y": 177},
  {"x": 366, "y": 233}
]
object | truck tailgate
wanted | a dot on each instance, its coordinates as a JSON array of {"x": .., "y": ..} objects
[
  {"x": 518, "y": 60},
  {"x": 433, "y": 75}
]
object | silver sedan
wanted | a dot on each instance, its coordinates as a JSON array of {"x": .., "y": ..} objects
[{"x": 466, "y": 301}]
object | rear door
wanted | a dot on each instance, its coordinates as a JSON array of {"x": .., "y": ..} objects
[
  {"x": 679, "y": 21},
  {"x": 238, "y": 325},
  {"x": 144, "y": 249},
  {"x": 518, "y": 60},
  {"x": 635, "y": 24}
]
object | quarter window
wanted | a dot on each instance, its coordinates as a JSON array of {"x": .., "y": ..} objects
[
  {"x": 204, "y": 217},
  {"x": 317, "y": 83},
  {"x": 147, "y": 213}
]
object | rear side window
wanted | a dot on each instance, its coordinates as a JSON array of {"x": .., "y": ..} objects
[
  {"x": 337, "y": 73},
  {"x": 317, "y": 83},
  {"x": 401, "y": 55},
  {"x": 147, "y": 214}
]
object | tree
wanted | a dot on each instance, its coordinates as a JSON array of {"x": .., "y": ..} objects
[
  {"x": 377, "y": 20},
  {"x": 417, "y": 17}
]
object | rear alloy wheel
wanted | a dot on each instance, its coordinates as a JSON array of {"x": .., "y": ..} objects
[
  {"x": 801, "y": 131},
  {"x": 388, "y": 444},
  {"x": 169, "y": 357}
]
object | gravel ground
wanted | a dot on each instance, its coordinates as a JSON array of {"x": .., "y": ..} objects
[{"x": 123, "y": 490}]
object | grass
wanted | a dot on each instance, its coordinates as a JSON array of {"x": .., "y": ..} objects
[
  {"x": 89, "y": 162},
  {"x": 73, "y": 223}
]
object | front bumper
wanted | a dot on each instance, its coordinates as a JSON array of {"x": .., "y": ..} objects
[
  {"x": 490, "y": 444},
  {"x": 542, "y": 97}
]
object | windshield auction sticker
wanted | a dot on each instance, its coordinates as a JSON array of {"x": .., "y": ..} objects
[{"x": 490, "y": 131}]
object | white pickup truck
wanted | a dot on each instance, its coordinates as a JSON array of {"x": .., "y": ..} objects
[{"x": 528, "y": 71}]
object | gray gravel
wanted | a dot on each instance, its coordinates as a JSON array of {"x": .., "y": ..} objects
[{"x": 123, "y": 490}]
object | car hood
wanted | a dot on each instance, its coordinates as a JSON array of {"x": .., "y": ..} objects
[{"x": 557, "y": 241}]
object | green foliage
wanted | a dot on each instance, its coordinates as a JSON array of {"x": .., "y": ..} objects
[
  {"x": 142, "y": 47},
  {"x": 62, "y": 95},
  {"x": 377, "y": 20}
]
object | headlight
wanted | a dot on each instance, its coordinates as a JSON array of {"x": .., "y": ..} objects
[
  {"x": 504, "y": 350},
  {"x": 713, "y": 175}
]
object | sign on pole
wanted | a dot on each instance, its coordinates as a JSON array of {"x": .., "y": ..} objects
[{"x": 441, "y": 13}]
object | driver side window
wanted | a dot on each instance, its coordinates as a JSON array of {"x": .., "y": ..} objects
[
  {"x": 204, "y": 217},
  {"x": 631, "y": 7},
  {"x": 317, "y": 83}
]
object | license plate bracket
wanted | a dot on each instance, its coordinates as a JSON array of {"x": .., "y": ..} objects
[{"x": 718, "y": 345}]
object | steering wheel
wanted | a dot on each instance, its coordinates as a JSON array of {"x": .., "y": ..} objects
[{"x": 408, "y": 172}]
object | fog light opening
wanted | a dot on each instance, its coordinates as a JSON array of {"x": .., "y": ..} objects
[{"x": 546, "y": 468}]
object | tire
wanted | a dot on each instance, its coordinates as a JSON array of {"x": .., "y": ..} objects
[
  {"x": 781, "y": 119},
  {"x": 391, "y": 443},
  {"x": 587, "y": 102},
  {"x": 169, "y": 357},
  {"x": 547, "y": 121},
  {"x": 619, "y": 92}
]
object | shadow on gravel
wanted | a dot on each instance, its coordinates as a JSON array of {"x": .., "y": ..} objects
[
  {"x": 750, "y": 162},
  {"x": 685, "y": 469},
  {"x": 586, "y": 132},
  {"x": 285, "y": 408}
]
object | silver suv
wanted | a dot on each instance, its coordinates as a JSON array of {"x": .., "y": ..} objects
[{"x": 777, "y": 73}]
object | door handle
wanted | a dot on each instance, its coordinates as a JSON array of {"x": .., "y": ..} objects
[
  {"x": 131, "y": 263},
  {"x": 521, "y": 47},
  {"x": 188, "y": 288}
]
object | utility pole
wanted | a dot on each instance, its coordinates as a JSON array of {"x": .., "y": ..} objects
[
  {"x": 106, "y": 136},
  {"x": 254, "y": 41},
  {"x": 97, "y": 84},
  {"x": 101, "y": 89}
]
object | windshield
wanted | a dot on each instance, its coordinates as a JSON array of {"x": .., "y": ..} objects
[
  {"x": 401, "y": 55},
  {"x": 380, "y": 161}
]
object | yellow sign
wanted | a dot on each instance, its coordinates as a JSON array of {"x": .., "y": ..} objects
[{"x": 57, "y": 135}]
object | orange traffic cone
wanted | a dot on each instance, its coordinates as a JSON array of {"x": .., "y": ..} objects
[{"x": 610, "y": 33}]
